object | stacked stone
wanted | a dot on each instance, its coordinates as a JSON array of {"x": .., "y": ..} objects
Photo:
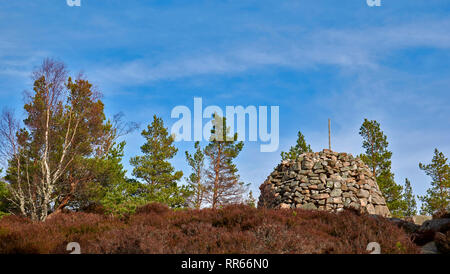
[{"x": 323, "y": 180}]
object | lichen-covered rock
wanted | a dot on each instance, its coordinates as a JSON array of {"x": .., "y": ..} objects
[{"x": 323, "y": 180}]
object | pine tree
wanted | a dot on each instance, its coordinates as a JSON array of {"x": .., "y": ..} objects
[
  {"x": 124, "y": 197},
  {"x": 156, "y": 170},
  {"x": 410, "y": 201},
  {"x": 195, "y": 180},
  {"x": 378, "y": 158},
  {"x": 222, "y": 180},
  {"x": 295, "y": 151},
  {"x": 105, "y": 173},
  {"x": 5, "y": 196},
  {"x": 251, "y": 201},
  {"x": 437, "y": 198}
]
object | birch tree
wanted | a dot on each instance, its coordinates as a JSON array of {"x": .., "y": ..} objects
[{"x": 64, "y": 126}]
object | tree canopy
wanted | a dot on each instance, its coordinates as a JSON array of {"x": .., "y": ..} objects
[
  {"x": 378, "y": 158},
  {"x": 222, "y": 179},
  {"x": 438, "y": 195},
  {"x": 196, "y": 178},
  {"x": 300, "y": 147},
  {"x": 155, "y": 169}
]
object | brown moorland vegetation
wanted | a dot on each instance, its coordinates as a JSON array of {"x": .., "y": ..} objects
[{"x": 155, "y": 228}]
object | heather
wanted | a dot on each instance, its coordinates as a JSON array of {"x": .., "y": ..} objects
[{"x": 156, "y": 229}]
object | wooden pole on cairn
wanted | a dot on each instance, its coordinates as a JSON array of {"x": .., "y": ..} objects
[{"x": 329, "y": 134}]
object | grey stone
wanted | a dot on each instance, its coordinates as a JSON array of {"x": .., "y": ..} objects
[
  {"x": 318, "y": 165},
  {"x": 382, "y": 210},
  {"x": 309, "y": 206},
  {"x": 307, "y": 165},
  {"x": 370, "y": 209},
  {"x": 284, "y": 206},
  {"x": 430, "y": 248},
  {"x": 336, "y": 192},
  {"x": 377, "y": 199},
  {"x": 337, "y": 200},
  {"x": 323, "y": 178},
  {"x": 363, "y": 193},
  {"x": 320, "y": 196},
  {"x": 355, "y": 205}
]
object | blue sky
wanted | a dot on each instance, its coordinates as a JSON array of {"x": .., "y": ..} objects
[{"x": 315, "y": 59}]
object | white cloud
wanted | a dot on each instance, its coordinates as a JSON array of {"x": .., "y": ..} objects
[{"x": 348, "y": 49}]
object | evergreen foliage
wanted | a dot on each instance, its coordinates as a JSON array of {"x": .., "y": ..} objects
[
  {"x": 378, "y": 158},
  {"x": 437, "y": 198},
  {"x": 222, "y": 179},
  {"x": 155, "y": 169},
  {"x": 295, "y": 151},
  {"x": 410, "y": 200},
  {"x": 196, "y": 178}
]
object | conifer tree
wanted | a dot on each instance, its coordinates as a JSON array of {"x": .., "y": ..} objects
[
  {"x": 124, "y": 197},
  {"x": 295, "y": 151},
  {"x": 155, "y": 169},
  {"x": 437, "y": 198},
  {"x": 378, "y": 158},
  {"x": 195, "y": 180},
  {"x": 410, "y": 201},
  {"x": 5, "y": 196},
  {"x": 251, "y": 201},
  {"x": 222, "y": 180}
]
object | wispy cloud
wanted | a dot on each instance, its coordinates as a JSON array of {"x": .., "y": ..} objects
[{"x": 347, "y": 49}]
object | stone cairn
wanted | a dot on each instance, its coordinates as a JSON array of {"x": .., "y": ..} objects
[{"x": 323, "y": 180}]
